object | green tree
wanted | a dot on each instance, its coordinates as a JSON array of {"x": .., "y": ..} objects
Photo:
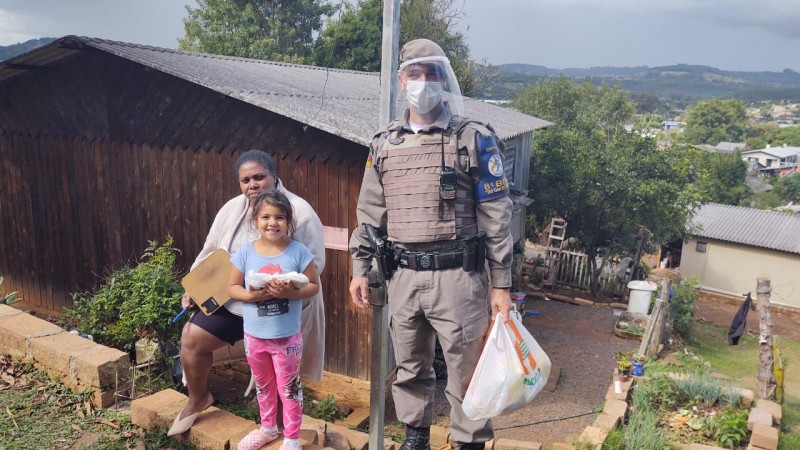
[
  {"x": 714, "y": 121},
  {"x": 279, "y": 30},
  {"x": 717, "y": 177},
  {"x": 354, "y": 40},
  {"x": 788, "y": 189},
  {"x": 607, "y": 182}
]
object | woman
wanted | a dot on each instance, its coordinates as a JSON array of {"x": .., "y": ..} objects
[{"x": 231, "y": 228}]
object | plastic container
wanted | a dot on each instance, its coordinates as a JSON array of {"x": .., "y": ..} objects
[{"x": 640, "y": 296}]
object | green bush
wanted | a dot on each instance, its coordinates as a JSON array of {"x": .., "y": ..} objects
[
  {"x": 132, "y": 302},
  {"x": 730, "y": 427},
  {"x": 7, "y": 298},
  {"x": 681, "y": 307},
  {"x": 700, "y": 388}
]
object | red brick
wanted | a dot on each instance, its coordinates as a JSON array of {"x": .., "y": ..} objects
[
  {"x": 562, "y": 446},
  {"x": 772, "y": 407},
  {"x": 6, "y": 310},
  {"x": 16, "y": 332},
  {"x": 764, "y": 437},
  {"x": 440, "y": 436},
  {"x": 616, "y": 408},
  {"x": 594, "y": 436},
  {"x": 102, "y": 367},
  {"x": 606, "y": 421},
  {"x": 215, "y": 428},
  {"x": 758, "y": 416},
  {"x": 56, "y": 351},
  {"x": 356, "y": 439},
  {"x": 145, "y": 410},
  {"x": 512, "y": 444}
]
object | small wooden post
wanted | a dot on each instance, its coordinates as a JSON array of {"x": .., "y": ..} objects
[
  {"x": 766, "y": 358},
  {"x": 654, "y": 334}
]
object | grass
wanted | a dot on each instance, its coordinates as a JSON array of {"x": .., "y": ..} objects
[
  {"x": 740, "y": 363},
  {"x": 40, "y": 413}
]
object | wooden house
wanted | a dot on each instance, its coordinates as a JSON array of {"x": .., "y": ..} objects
[{"x": 108, "y": 145}]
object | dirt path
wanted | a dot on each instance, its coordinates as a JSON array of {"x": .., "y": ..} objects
[{"x": 579, "y": 340}]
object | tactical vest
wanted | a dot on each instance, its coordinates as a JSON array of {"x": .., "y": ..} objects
[{"x": 410, "y": 165}]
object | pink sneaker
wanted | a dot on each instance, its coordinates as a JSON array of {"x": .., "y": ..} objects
[{"x": 256, "y": 439}]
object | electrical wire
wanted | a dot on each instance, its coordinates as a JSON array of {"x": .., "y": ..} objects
[
  {"x": 327, "y": 66},
  {"x": 544, "y": 421}
]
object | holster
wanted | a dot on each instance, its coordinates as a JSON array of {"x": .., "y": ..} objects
[{"x": 474, "y": 252}]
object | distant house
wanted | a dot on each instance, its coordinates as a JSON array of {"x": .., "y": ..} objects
[
  {"x": 729, "y": 247},
  {"x": 773, "y": 161},
  {"x": 105, "y": 145},
  {"x": 706, "y": 148},
  {"x": 730, "y": 147},
  {"x": 669, "y": 125}
]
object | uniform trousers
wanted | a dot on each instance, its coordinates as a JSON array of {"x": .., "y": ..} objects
[
  {"x": 276, "y": 367},
  {"x": 454, "y": 304}
]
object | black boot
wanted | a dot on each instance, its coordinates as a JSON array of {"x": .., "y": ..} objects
[
  {"x": 469, "y": 445},
  {"x": 417, "y": 438}
]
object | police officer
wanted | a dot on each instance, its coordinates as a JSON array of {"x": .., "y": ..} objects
[{"x": 434, "y": 183}]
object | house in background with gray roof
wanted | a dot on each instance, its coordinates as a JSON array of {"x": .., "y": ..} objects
[
  {"x": 106, "y": 145},
  {"x": 729, "y": 247},
  {"x": 773, "y": 161}
]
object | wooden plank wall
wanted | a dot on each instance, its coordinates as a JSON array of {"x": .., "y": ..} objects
[{"x": 76, "y": 203}]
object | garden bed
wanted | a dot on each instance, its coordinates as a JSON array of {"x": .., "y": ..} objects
[{"x": 677, "y": 405}]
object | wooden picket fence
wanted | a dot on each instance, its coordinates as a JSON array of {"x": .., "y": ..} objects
[{"x": 574, "y": 271}]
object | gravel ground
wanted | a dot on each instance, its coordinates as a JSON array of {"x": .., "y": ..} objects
[{"x": 579, "y": 340}]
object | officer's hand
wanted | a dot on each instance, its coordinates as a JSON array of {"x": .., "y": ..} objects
[
  {"x": 359, "y": 290},
  {"x": 187, "y": 301},
  {"x": 500, "y": 299}
]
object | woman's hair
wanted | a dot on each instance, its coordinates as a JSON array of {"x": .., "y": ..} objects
[
  {"x": 274, "y": 198},
  {"x": 259, "y": 157}
]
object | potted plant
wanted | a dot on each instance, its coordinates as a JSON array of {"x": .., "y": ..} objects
[
  {"x": 637, "y": 368},
  {"x": 623, "y": 365}
]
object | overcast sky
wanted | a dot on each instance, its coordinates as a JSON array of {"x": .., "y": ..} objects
[{"x": 751, "y": 35}]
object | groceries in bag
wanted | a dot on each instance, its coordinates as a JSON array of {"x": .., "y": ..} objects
[{"x": 511, "y": 371}]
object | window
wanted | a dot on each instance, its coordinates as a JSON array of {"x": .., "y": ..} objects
[
  {"x": 509, "y": 156},
  {"x": 701, "y": 247}
]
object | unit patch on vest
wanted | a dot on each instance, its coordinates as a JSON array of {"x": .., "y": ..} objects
[{"x": 492, "y": 183}]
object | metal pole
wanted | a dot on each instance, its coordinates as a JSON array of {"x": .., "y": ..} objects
[{"x": 379, "y": 361}]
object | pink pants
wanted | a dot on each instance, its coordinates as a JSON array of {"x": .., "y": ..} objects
[{"x": 276, "y": 366}]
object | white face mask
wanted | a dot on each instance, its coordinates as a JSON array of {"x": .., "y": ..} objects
[{"x": 424, "y": 95}]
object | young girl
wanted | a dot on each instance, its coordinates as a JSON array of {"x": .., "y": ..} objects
[{"x": 272, "y": 338}]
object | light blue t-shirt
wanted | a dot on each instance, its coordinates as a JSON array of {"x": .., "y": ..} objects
[{"x": 280, "y": 317}]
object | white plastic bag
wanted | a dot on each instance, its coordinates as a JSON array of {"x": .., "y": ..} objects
[{"x": 512, "y": 369}]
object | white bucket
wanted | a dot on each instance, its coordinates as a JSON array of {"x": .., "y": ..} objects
[{"x": 640, "y": 296}]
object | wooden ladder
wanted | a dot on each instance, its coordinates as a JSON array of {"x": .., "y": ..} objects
[{"x": 558, "y": 230}]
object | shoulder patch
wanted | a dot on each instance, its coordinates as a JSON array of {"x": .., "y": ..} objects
[{"x": 492, "y": 181}]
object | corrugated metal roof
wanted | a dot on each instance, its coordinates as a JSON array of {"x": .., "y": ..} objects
[
  {"x": 749, "y": 226},
  {"x": 779, "y": 152},
  {"x": 342, "y": 102}
]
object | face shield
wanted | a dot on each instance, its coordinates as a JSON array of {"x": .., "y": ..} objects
[{"x": 427, "y": 82}]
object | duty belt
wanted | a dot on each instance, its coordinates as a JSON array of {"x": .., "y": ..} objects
[{"x": 432, "y": 261}]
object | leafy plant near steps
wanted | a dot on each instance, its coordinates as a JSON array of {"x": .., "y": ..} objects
[
  {"x": 132, "y": 302},
  {"x": 7, "y": 298},
  {"x": 731, "y": 427}
]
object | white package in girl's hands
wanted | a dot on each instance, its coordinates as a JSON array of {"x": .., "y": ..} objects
[{"x": 257, "y": 280}]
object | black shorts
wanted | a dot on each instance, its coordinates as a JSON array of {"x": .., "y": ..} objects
[{"x": 223, "y": 324}]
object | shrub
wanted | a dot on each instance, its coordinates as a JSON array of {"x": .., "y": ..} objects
[
  {"x": 7, "y": 298},
  {"x": 132, "y": 302},
  {"x": 731, "y": 427},
  {"x": 681, "y": 310},
  {"x": 700, "y": 387}
]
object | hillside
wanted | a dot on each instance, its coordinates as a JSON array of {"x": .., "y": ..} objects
[
  {"x": 682, "y": 83},
  {"x": 11, "y": 51}
]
